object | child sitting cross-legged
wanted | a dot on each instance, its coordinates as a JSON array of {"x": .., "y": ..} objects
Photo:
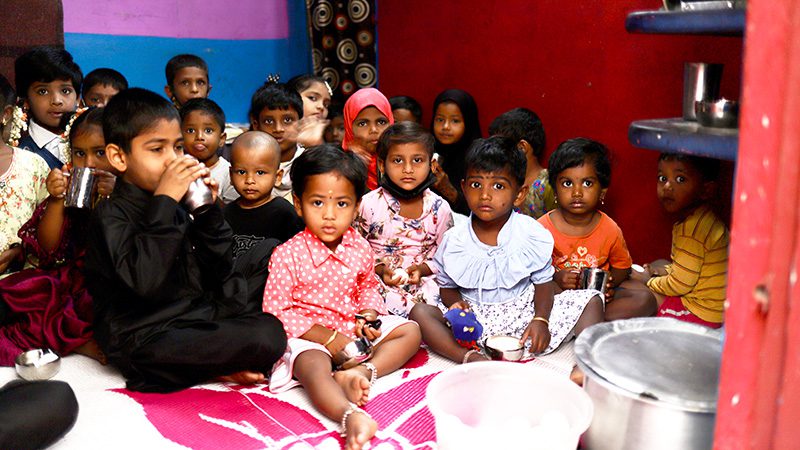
[
  {"x": 498, "y": 265},
  {"x": 257, "y": 214},
  {"x": 319, "y": 280},
  {"x": 172, "y": 309},
  {"x": 403, "y": 220}
]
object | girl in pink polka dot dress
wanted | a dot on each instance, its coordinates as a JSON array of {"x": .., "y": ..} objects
[{"x": 319, "y": 282}]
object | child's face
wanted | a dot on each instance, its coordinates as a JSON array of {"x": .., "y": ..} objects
[
  {"x": 280, "y": 124},
  {"x": 578, "y": 190},
  {"x": 150, "y": 153},
  {"x": 448, "y": 123},
  {"x": 492, "y": 195},
  {"x": 367, "y": 128},
  {"x": 403, "y": 115},
  {"x": 189, "y": 83},
  {"x": 202, "y": 136},
  {"x": 407, "y": 165},
  {"x": 316, "y": 100},
  {"x": 334, "y": 133},
  {"x": 99, "y": 95},
  {"x": 89, "y": 148},
  {"x": 50, "y": 101},
  {"x": 328, "y": 207},
  {"x": 254, "y": 172},
  {"x": 680, "y": 186}
]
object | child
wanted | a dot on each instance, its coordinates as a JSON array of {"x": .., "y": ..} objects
[
  {"x": 334, "y": 132},
  {"x": 316, "y": 95},
  {"x": 275, "y": 109},
  {"x": 498, "y": 265},
  {"x": 455, "y": 125},
  {"x": 22, "y": 185},
  {"x": 525, "y": 127},
  {"x": 403, "y": 220},
  {"x": 257, "y": 214},
  {"x": 171, "y": 307},
  {"x": 691, "y": 287},
  {"x": 49, "y": 305},
  {"x": 49, "y": 83},
  {"x": 187, "y": 78},
  {"x": 366, "y": 114},
  {"x": 203, "y": 128},
  {"x": 584, "y": 236},
  {"x": 330, "y": 254},
  {"x": 405, "y": 108},
  {"x": 100, "y": 85}
]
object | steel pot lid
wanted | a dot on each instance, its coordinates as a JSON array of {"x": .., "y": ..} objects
[{"x": 659, "y": 359}]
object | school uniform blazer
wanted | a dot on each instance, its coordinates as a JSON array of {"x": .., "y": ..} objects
[{"x": 27, "y": 143}]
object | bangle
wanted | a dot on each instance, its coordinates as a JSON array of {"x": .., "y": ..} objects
[
  {"x": 330, "y": 339},
  {"x": 542, "y": 319}
]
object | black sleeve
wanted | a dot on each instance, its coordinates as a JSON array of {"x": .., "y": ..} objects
[{"x": 213, "y": 241}]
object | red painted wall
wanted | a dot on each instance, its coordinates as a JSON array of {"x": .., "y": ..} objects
[{"x": 571, "y": 62}]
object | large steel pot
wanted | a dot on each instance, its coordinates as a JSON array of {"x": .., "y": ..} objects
[{"x": 653, "y": 382}]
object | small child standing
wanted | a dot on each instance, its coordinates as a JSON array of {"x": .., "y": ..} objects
[
  {"x": 257, "y": 214},
  {"x": 525, "y": 127},
  {"x": 319, "y": 280},
  {"x": 23, "y": 178},
  {"x": 203, "y": 129},
  {"x": 49, "y": 305},
  {"x": 366, "y": 114},
  {"x": 690, "y": 287},
  {"x": 499, "y": 265},
  {"x": 172, "y": 308},
  {"x": 187, "y": 78},
  {"x": 403, "y": 220},
  {"x": 49, "y": 83},
  {"x": 276, "y": 109},
  {"x": 100, "y": 85},
  {"x": 584, "y": 236}
]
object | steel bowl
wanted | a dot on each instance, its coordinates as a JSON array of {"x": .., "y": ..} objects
[
  {"x": 353, "y": 354},
  {"x": 37, "y": 364},
  {"x": 722, "y": 113},
  {"x": 503, "y": 348}
]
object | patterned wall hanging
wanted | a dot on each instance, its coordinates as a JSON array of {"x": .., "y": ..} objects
[{"x": 342, "y": 34}]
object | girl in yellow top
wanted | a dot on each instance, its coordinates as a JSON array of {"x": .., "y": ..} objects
[{"x": 691, "y": 287}]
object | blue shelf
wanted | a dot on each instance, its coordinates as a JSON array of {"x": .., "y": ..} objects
[
  {"x": 717, "y": 22},
  {"x": 680, "y": 136}
]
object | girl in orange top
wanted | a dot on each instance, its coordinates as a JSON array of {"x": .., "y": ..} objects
[{"x": 580, "y": 173}]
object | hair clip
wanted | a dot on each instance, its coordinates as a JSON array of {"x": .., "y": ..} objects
[
  {"x": 273, "y": 78},
  {"x": 330, "y": 91}
]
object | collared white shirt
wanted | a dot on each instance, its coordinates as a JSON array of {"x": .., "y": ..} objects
[{"x": 45, "y": 139}]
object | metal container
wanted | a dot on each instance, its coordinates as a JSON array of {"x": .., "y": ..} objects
[
  {"x": 594, "y": 278},
  {"x": 653, "y": 382},
  {"x": 81, "y": 188},
  {"x": 198, "y": 197},
  {"x": 503, "y": 348},
  {"x": 700, "y": 82},
  {"x": 353, "y": 354},
  {"x": 37, "y": 364},
  {"x": 722, "y": 113}
]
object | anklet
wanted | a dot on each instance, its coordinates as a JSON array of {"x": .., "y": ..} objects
[
  {"x": 373, "y": 371},
  {"x": 467, "y": 355},
  {"x": 353, "y": 408}
]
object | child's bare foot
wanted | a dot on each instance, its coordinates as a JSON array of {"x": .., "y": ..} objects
[
  {"x": 576, "y": 376},
  {"x": 359, "y": 429},
  {"x": 354, "y": 384},
  {"x": 243, "y": 377},
  {"x": 92, "y": 350}
]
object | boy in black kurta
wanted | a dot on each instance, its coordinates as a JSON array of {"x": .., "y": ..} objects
[{"x": 172, "y": 309}]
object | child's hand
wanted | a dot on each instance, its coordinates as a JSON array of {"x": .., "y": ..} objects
[
  {"x": 213, "y": 185},
  {"x": 539, "y": 334},
  {"x": 461, "y": 304},
  {"x": 567, "y": 278},
  {"x": 179, "y": 173},
  {"x": 57, "y": 181},
  {"x": 642, "y": 276},
  {"x": 609, "y": 288},
  {"x": 310, "y": 131},
  {"x": 391, "y": 277},
  {"x": 7, "y": 257},
  {"x": 364, "y": 330},
  {"x": 105, "y": 182},
  {"x": 414, "y": 274}
]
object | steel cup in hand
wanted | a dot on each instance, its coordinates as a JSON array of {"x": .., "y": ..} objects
[
  {"x": 81, "y": 188},
  {"x": 594, "y": 278}
]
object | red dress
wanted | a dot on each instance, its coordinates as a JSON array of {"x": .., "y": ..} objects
[{"x": 49, "y": 304}]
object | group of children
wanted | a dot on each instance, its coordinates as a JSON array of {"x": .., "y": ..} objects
[{"x": 309, "y": 244}]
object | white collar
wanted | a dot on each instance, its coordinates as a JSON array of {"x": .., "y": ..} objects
[{"x": 42, "y": 136}]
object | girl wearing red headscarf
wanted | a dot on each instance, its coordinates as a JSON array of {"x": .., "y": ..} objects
[{"x": 366, "y": 114}]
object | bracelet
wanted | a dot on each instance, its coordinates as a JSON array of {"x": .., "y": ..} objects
[
  {"x": 330, "y": 339},
  {"x": 542, "y": 319}
]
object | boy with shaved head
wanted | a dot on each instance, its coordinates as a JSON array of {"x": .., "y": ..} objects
[{"x": 257, "y": 214}]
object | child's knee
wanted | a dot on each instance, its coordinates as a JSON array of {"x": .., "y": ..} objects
[{"x": 423, "y": 311}]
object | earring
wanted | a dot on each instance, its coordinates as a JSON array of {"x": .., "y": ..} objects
[{"x": 602, "y": 201}]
